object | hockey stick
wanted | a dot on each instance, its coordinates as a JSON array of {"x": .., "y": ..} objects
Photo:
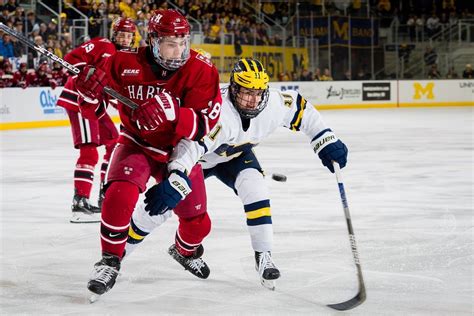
[
  {"x": 361, "y": 295},
  {"x": 74, "y": 70}
]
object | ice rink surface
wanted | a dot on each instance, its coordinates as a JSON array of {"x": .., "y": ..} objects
[{"x": 409, "y": 183}]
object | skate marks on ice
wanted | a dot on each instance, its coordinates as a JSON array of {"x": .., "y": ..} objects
[{"x": 411, "y": 206}]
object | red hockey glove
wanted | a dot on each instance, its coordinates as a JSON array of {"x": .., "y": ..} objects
[
  {"x": 90, "y": 84},
  {"x": 156, "y": 111}
]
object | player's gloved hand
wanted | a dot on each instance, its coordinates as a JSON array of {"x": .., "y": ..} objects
[
  {"x": 155, "y": 111},
  {"x": 329, "y": 148},
  {"x": 90, "y": 84},
  {"x": 53, "y": 84},
  {"x": 166, "y": 195}
]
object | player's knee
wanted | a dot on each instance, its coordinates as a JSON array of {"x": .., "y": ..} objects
[
  {"x": 251, "y": 186},
  {"x": 119, "y": 202},
  {"x": 88, "y": 155}
]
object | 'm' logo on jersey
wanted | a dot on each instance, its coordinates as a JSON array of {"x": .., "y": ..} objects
[{"x": 130, "y": 72}]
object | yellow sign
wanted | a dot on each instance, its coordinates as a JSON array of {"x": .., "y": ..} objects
[
  {"x": 421, "y": 91},
  {"x": 275, "y": 59}
]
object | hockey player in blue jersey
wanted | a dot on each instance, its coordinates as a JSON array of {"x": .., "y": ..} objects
[{"x": 251, "y": 111}]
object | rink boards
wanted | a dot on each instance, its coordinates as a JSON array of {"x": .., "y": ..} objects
[{"x": 36, "y": 107}]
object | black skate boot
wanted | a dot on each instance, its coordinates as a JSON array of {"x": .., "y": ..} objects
[
  {"x": 266, "y": 269},
  {"x": 104, "y": 274},
  {"x": 193, "y": 264},
  {"x": 83, "y": 211}
]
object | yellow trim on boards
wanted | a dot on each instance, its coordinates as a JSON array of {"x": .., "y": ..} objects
[
  {"x": 391, "y": 105},
  {"x": 436, "y": 104},
  {"x": 41, "y": 124}
]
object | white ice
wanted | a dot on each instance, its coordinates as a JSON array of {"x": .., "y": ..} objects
[{"x": 409, "y": 183}]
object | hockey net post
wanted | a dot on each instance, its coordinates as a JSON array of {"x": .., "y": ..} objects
[
  {"x": 71, "y": 68},
  {"x": 361, "y": 294}
]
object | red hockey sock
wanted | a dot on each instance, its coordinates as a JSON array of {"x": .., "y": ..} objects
[
  {"x": 105, "y": 160},
  {"x": 117, "y": 209},
  {"x": 84, "y": 171},
  {"x": 191, "y": 232}
]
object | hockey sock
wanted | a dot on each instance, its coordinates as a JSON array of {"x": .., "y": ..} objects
[
  {"x": 105, "y": 161},
  {"x": 191, "y": 232},
  {"x": 117, "y": 210},
  {"x": 84, "y": 171}
]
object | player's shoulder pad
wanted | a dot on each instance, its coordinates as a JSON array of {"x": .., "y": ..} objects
[
  {"x": 200, "y": 57},
  {"x": 287, "y": 97}
]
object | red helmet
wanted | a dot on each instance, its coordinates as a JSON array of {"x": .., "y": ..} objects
[
  {"x": 123, "y": 25},
  {"x": 163, "y": 26},
  {"x": 168, "y": 23}
]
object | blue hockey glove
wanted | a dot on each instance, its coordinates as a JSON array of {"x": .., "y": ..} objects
[
  {"x": 166, "y": 195},
  {"x": 329, "y": 148}
]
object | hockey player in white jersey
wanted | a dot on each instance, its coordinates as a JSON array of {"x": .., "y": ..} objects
[{"x": 250, "y": 113}]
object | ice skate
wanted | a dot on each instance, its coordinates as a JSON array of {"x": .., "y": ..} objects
[
  {"x": 266, "y": 269},
  {"x": 103, "y": 276},
  {"x": 193, "y": 264},
  {"x": 83, "y": 211}
]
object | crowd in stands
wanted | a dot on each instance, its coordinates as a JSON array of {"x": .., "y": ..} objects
[{"x": 224, "y": 20}]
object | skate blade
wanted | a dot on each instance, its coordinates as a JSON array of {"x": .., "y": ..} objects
[
  {"x": 269, "y": 284},
  {"x": 84, "y": 218},
  {"x": 93, "y": 298}
]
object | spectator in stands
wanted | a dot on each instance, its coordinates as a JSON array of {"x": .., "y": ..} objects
[
  {"x": 419, "y": 27},
  {"x": 326, "y": 75},
  {"x": 6, "y": 46},
  {"x": 6, "y": 76},
  {"x": 127, "y": 10},
  {"x": 52, "y": 30},
  {"x": 59, "y": 75},
  {"x": 347, "y": 75},
  {"x": 20, "y": 77},
  {"x": 362, "y": 75},
  {"x": 404, "y": 52},
  {"x": 95, "y": 20},
  {"x": 468, "y": 73},
  {"x": 317, "y": 74},
  {"x": 433, "y": 25},
  {"x": 411, "y": 25},
  {"x": 32, "y": 22},
  {"x": 434, "y": 73},
  {"x": 284, "y": 76},
  {"x": 11, "y": 5},
  {"x": 306, "y": 75},
  {"x": 5, "y": 16},
  {"x": 43, "y": 32},
  {"x": 42, "y": 77},
  {"x": 452, "y": 74},
  {"x": 430, "y": 56}
]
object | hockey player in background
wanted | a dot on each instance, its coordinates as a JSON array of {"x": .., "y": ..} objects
[
  {"x": 250, "y": 113},
  {"x": 178, "y": 96},
  {"x": 88, "y": 134}
]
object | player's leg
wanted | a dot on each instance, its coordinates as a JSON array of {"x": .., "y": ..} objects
[
  {"x": 108, "y": 137},
  {"x": 245, "y": 176},
  {"x": 86, "y": 138},
  {"x": 194, "y": 226},
  {"x": 127, "y": 176}
]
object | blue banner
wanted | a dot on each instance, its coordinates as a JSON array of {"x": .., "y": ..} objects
[{"x": 341, "y": 31}]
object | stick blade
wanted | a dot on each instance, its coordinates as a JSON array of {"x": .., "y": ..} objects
[{"x": 350, "y": 304}]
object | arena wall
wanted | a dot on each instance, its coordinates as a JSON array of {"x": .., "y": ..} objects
[{"x": 36, "y": 107}]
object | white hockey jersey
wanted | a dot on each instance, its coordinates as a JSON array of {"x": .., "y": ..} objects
[{"x": 228, "y": 139}]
